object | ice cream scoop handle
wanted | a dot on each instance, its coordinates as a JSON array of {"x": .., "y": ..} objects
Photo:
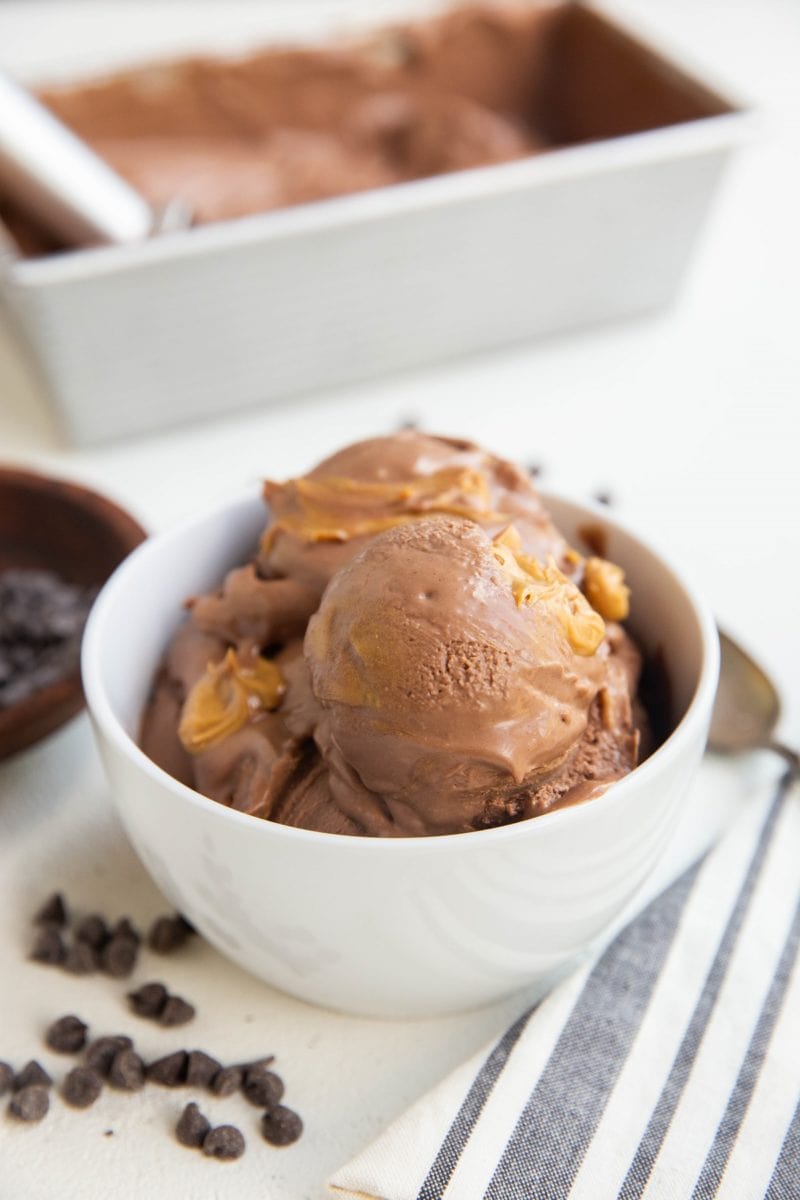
[{"x": 55, "y": 177}]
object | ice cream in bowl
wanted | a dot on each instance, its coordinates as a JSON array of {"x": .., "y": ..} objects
[{"x": 386, "y": 740}]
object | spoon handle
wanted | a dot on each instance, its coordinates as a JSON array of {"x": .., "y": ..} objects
[{"x": 53, "y": 175}]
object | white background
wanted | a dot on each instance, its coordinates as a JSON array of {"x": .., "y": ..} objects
[{"x": 690, "y": 419}]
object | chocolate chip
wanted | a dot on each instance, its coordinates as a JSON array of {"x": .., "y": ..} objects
[
  {"x": 201, "y": 1068},
  {"x": 187, "y": 925},
  {"x": 92, "y": 930},
  {"x": 6, "y": 1077},
  {"x": 225, "y": 1142},
  {"x": 80, "y": 959},
  {"x": 67, "y": 1035},
  {"x": 176, "y": 1011},
  {"x": 148, "y": 1000},
  {"x": 30, "y": 1103},
  {"x": 192, "y": 1127},
  {"x": 118, "y": 958},
  {"x": 81, "y": 1087},
  {"x": 53, "y": 912},
  {"x": 124, "y": 929},
  {"x": 168, "y": 933},
  {"x": 49, "y": 947},
  {"x": 604, "y": 498},
  {"x": 102, "y": 1052},
  {"x": 535, "y": 470},
  {"x": 281, "y": 1126},
  {"x": 262, "y": 1087},
  {"x": 126, "y": 1071},
  {"x": 169, "y": 1071},
  {"x": 32, "y": 1074},
  {"x": 227, "y": 1081}
]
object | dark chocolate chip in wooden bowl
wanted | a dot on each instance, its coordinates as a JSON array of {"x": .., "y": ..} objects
[
  {"x": 124, "y": 928},
  {"x": 192, "y": 1127},
  {"x": 81, "y": 1087},
  {"x": 224, "y": 1142},
  {"x": 127, "y": 1071},
  {"x": 148, "y": 1000},
  {"x": 281, "y": 1125},
  {"x": 80, "y": 959},
  {"x": 201, "y": 1068},
  {"x": 67, "y": 1035},
  {"x": 33, "y": 1073},
  {"x": 30, "y": 1103},
  {"x": 53, "y": 912},
  {"x": 102, "y": 1052},
  {"x": 169, "y": 1071},
  {"x": 49, "y": 947}
]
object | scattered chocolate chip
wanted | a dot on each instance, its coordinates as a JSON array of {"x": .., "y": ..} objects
[
  {"x": 30, "y": 1103},
  {"x": 124, "y": 929},
  {"x": 102, "y": 1052},
  {"x": 6, "y": 1077},
  {"x": 201, "y": 1068},
  {"x": 126, "y": 1071},
  {"x": 32, "y": 1074},
  {"x": 168, "y": 933},
  {"x": 225, "y": 1142},
  {"x": 67, "y": 1035},
  {"x": 192, "y": 1127},
  {"x": 262, "y": 1087},
  {"x": 227, "y": 1081},
  {"x": 187, "y": 925},
  {"x": 53, "y": 912},
  {"x": 81, "y": 1087},
  {"x": 535, "y": 470},
  {"x": 49, "y": 947},
  {"x": 148, "y": 1000},
  {"x": 92, "y": 930},
  {"x": 118, "y": 958},
  {"x": 604, "y": 498},
  {"x": 80, "y": 959},
  {"x": 281, "y": 1126},
  {"x": 170, "y": 1071},
  {"x": 176, "y": 1011},
  {"x": 109, "y": 1133}
]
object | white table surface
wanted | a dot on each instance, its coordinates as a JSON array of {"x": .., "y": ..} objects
[{"x": 692, "y": 421}]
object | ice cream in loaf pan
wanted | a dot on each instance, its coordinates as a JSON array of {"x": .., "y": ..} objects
[{"x": 414, "y": 650}]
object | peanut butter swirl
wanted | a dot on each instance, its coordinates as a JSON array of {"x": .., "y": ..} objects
[
  {"x": 226, "y": 697},
  {"x": 336, "y": 509},
  {"x": 533, "y": 582}
]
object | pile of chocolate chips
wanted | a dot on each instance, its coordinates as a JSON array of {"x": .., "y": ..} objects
[
  {"x": 97, "y": 946},
  {"x": 112, "y": 1060},
  {"x": 41, "y": 622}
]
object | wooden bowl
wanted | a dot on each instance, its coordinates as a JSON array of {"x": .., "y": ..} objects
[{"x": 81, "y": 536}]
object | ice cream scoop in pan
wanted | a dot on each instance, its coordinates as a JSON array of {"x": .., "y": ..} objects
[{"x": 55, "y": 177}]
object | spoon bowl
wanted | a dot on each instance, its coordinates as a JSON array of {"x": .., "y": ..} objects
[{"x": 747, "y": 707}]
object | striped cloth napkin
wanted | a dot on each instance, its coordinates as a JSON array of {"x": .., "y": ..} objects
[{"x": 667, "y": 1068}]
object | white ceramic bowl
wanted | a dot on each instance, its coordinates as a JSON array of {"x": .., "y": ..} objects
[{"x": 408, "y": 926}]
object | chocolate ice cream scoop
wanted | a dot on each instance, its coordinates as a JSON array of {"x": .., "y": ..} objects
[
  {"x": 323, "y": 519},
  {"x": 447, "y": 666}
]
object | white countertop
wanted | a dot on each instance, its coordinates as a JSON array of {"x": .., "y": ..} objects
[{"x": 690, "y": 419}]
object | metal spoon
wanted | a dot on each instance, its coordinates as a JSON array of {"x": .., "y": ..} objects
[{"x": 747, "y": 707}]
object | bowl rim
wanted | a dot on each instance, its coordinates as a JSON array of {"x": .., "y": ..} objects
[{"x": 106, "y": 720}]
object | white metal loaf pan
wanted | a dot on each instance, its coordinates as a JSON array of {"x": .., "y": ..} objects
[{"x": 194, "y": 324}]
